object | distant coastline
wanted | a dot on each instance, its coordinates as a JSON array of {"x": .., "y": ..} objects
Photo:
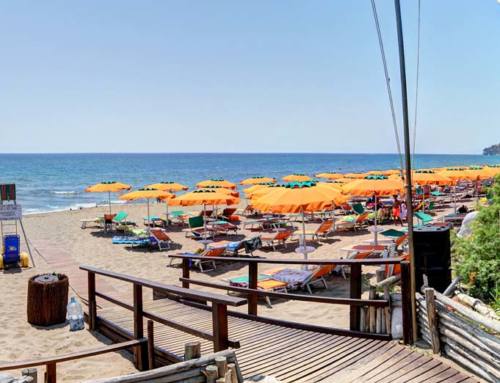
[{"x": 493, "y": 150}]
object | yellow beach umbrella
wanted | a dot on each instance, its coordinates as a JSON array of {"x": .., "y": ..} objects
[
  {"x": 169, "y": 186},
  {"x": 220, "y": 189},
  {"x": 147, "y": 194},
  {"x": 296, "y": 178},
  {"x": 330, "y": 176},
  {"x": 482, "y": 173},
  {"x": 262, "y": 191},
  {"x": 333, "y": 185},
  {"x": 108, "y": 187},
  {"x": 257, "y": 180},
  {"x": 215, "y": 183},
  {"x": 252, "y": 189}
]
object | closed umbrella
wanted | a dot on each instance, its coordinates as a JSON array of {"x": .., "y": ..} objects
[{"x": 108, "y": 187}]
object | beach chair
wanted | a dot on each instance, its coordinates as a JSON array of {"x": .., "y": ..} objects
[
  {"x": 264, "y": 282},
  {"x": 297, "y": 278},
  {"x": 352, "y": 222},
  {"x": 197, "y": 228},
  {"x": 12, "y": 255},
  {"x": 249, "y": 245},
  {"x": 160, "y": 238},
  {"x": 358, "y": 208},
  {"x": 209, "y": 252},
  {"x": 318, "y": 276},
  {"x": 423, "y": 218},
  {"x": 94, "y": 222},
  {"x": 323, "y": 230},
  {"x": 119, "y": 221},
  {"x": 278, "y": 238}
]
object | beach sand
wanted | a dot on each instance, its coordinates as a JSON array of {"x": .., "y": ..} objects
[{"x": 61, "y": 233}]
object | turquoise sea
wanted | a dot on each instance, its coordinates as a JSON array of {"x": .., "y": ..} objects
[{"x": 49, "y": 182}]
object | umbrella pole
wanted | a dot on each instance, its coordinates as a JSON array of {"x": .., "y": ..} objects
[
  {"x": 109, "y": 202},
  {"x": 166, "y": 213},
  {"x": 303, "y": 239},
  {"x": 149, "y": 217},
  {"x": 204, "y": 222},
  {"x": 375, "y": 231},
  {"x": 455, "y": 199}
]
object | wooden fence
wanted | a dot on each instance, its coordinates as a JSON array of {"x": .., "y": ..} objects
[
  {"x": 461, "y": 334},
  {"x": 356, "y": 304}
]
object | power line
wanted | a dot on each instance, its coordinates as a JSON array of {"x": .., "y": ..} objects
[{"x": 387, "y": 82}]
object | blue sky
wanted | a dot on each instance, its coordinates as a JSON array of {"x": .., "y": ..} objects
[{"x": 242, "y": 76}]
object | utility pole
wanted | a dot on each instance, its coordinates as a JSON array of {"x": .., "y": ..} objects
[{"x": 408, "y": 186}]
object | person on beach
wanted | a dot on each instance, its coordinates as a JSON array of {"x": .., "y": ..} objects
[
  {"x": 396, "y": 210},
  {"x": 403, "y": 212}
]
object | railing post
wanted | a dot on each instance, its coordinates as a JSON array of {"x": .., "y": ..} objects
[
  {"x": 92, "y": 301},
  {"x": 220, "y": 326},
  {"x": 355, "y": 293},
  {"x": 51, "y": 373},
  {"x": 406, "y": 302},
  {"x": 432, "y": 319},
  {"x": 139, "y": 351},
  {"x": 151, "y": 345},
  {"x": 252, "y": 284},
  {"x": 185, "y": 272}
]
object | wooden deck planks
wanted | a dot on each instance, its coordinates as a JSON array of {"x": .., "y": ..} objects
[{"x": 293, "y": 355}]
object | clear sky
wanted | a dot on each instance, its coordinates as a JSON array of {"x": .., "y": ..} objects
[{"x": 242, "y": 76}]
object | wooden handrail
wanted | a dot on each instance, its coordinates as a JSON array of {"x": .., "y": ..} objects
[
  {"x": 72, "y": 356},
  {"x": 297, "y": 297},
  {"x": 339, "y": 261},
  {"x": 180, "y": 291}
]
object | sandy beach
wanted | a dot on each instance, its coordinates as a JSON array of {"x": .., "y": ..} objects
[{"x": 61, "y": 233}]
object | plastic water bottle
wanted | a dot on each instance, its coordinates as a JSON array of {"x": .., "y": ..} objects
[{"x": 75, "y": 315}]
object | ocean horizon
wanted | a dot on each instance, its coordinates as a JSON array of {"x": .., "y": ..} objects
[{"x": 56, "y": 181}]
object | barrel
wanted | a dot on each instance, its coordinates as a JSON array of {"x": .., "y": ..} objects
[
  {"x": 47, "y": 299},
  {"x": 432, "y": 256}
]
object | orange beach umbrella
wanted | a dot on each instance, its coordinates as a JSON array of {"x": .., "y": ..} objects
[
  {"x": 330, "y": 176},
  {"x": 374, "y": 185},
  {"x": 168, "y": 186},
  {"x": 296, "y": 178},
  {"x": 427, "y": 177},
  {"x": 108, "y": 187},
  {"x": 215, "y": 183},
  {"x": 147, "y": 194},
  {"x": 257, "y": 180}
]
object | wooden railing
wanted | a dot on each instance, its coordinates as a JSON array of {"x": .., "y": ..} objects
[
  {"x": 219, "y": 303},
  {"x": 51, "y": 362},
  {"x": 354, "y": 301}
]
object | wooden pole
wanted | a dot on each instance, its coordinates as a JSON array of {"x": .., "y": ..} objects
[
  {"x": 92, "y": 301},
  {"x": 192, "y": 350},
  {"x": 221, "y": 363},
  {"x": 185, "y": 272},
  {"x": 355, "y": 292},
  {"x": 432, "y": 319},
  {"x": 140, "y": 361},
  {"x": 252, "y": 284},
  {"x": 220, "y": 326},
  {"x": 211, "y": 372},
  {"x": 151, "y": 345},
  {"x": 373, "y": 311},
  {"x": 406, "y": 303},
  {"x": 51, "y": 373},
  {"x": 408, "y": 185}
]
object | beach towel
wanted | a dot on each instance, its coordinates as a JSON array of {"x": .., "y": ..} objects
[
  {"x": 127, "y": 240},
  {"x": 294, "y": 277}
]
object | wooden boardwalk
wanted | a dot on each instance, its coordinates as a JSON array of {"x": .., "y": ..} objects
[{"x": 290, "y": 355}]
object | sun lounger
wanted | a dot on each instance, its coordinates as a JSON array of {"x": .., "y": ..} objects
[
  {"x": 423, "y": 218},
  {"x": 197, "y": 228},
  {"x": 323, "y": 230},
  {"x": 351, "y": 222},
  {"x": 129, "y": 240},
  {"x": 305, "y": 279},
  {"x": 94, "y": 222},
  {"x": 216, "y": 252},
  {"x": 160, "y": 238},
  {"x": 358, "y": 208},
  {"x": 264, "y": 282},
  {"x": 279, "y": 238}
]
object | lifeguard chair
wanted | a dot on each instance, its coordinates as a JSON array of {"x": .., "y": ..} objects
[{"x": 10, "y": 218}]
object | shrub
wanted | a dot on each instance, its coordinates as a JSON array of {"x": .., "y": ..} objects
[{"x": 477, "y": 258}]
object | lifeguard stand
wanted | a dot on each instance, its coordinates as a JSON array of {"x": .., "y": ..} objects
[{"x": 10, "y": 218}]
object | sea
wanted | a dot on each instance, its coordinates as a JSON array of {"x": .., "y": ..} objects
[{"x": 55, "y": 182}]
